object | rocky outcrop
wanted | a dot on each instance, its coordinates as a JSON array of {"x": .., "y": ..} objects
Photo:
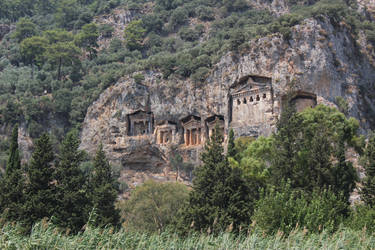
[
  {"x": 4, "y": 29},
  {"x": 320, "y": 59},
  {"x": 367, "y": 7},
  {"x": 278, "y": 7},
  {"x": 25, "y": 143}
]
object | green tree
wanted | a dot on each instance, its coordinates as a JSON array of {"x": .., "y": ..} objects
[
  {"x": 237, "y": 38},
  {"x": 71, "y": 191},
  {"x": 45, "y": 6},
  {"x": 286, "y": 145},
  {"x": 134, "y": 34},
  {"x": 62, "y": 54},
  {"x": 104, "y": 190},
  {"x": 153, "y": 206},
  {"x": 255, "y": 160},
  {"x": 33, "y": 51},
  {"x": 231, "y": 151},
  {"x": 24, "y": 28},
  {"x": 368, "y": 162},
  {"x": 178, "y": 164},
  {"x": 87, "y": 38},
  {"x": 12, "y": 184},
  {"x": 67, "y": 13},
  {"x": 220, "y": 197},
  {"x": 310, "y": 150},
  {"x": 58, "y": 35},
  {"x": 40, "y": 189}
]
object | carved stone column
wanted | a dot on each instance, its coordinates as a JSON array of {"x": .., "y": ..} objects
[
  {"x": 187, "y": 137},
  {"x": 199, "y": 135},
  {"x": 192, "y": 142}
]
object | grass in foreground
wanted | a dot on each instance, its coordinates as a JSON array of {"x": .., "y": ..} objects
[{"x": 47, "y": 236}]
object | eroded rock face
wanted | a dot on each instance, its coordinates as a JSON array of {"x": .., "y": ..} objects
[
  {"x": 119, "y": 18},
  {"x": 320, "y": 59},
  {"x": 4, "y": 29},
  {"x": 278, "y": 7},
  {"x": 367, "y": 7}
]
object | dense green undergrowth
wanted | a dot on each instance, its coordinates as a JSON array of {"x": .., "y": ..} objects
[{"x": 46, "y": 236}]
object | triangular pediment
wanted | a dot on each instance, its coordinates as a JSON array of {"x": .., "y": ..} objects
[
  {"x": 249, "y": 87},
  {"x": 251, "y": 84},
  {"x": 192, "y": 123}
]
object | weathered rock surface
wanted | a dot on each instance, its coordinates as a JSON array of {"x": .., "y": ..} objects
[
  {"x": 278, "y": 7},
  {"x": 319, "y": 58},
  {"x": 4, "y": 29}
]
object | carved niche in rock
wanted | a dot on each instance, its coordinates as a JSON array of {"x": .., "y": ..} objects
[
  {"x": 192, "y": 130},
  {"x": 165, "y": 132},
  {"x": 251, "y": 101},
  {"x": 302, "y": 100},
  {"x": 211, "y": 123},
  {"x": 140, "y": 123}
]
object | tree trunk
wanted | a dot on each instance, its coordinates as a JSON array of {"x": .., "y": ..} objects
[
  {"x": 32, "y": 71},
  {"x": 59, "y": 70}
]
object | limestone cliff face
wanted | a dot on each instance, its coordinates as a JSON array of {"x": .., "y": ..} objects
[{"x": 244, "y": 91}]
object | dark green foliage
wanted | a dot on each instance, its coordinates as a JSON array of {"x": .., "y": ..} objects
[
  {"x": 179, "y": 17},
  {"x": 62, "y": 54},
  {"x": 33, "y": 50},
  {"x": 286, "y": 145},
  {"x": 287, "y": 209},
  {"x": 134, "y": 34},
  {"x": 200, "y": 74},
  {"x": 231, "y": 151},
  {"x": 220, "y": 198},
  {"x": 106, "y": 30},
  {"x": 178, "y": 165},
  {"x": 188, "y": 34},
  {"x": 67, "y": 13},
  {"x": 237, "y": 38},
  {"x": 12, "y": 183},
  {"x": 87, "y": 38},
  {"x": 362, "y": 218},
  {"x": 139, "y": 78},
  {"x": 306, "y": 144},
  {"x": 25, "y": 28},
  {"x": 72, "y": 206},
  {"x": 342, "y": 104},
  {"x": 205, "y": 13},
  {"x": 153, "y": 206},
  {"x": 152, "y": 23},
  {"x": 40, "y": 187},
  {"x": 104, "y": 190},
  {"x": 368, "y": 182}
]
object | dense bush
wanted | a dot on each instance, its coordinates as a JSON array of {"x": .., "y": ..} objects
[
  {"x": 362, "y": 218},
  {"x": 288, "y": 209},
  {"x": 153, "y": 206}
]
